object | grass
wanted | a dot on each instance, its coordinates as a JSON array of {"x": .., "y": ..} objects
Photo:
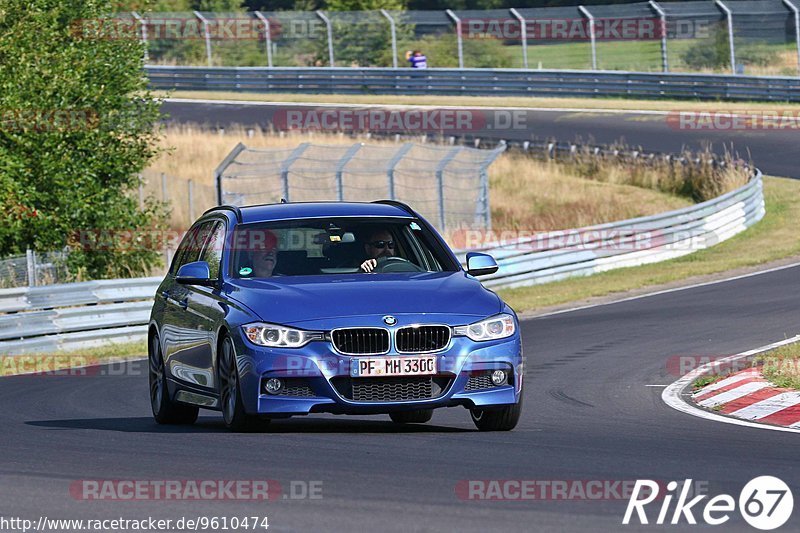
[
  {"x": 782, "y": 366},
  {"x": 775, "y": 237},
  {"x": 525, "y": 192},
  {"x": 46, "y": 363},
  {"x": 702, "y": 381},
  {"x": 495, "y": 101}
]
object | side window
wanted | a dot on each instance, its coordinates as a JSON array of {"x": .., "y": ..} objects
[
  {"x": 212, "y": 249},
  {"x": 189, "y": 248}
]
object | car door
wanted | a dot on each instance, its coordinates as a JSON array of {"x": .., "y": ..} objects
[
  {"x": 182, "y": 340},
  {"x": 205, "y": 311}
]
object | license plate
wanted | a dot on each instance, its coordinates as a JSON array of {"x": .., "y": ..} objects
[{"x": 393, "y": 366}]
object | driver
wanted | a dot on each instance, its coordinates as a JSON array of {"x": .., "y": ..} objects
[{"x": 379, "y": 243}]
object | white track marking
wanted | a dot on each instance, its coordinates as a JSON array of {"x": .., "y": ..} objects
[
  {"x": 768, "y": 406},
  {"x": 665, "y": 291},
  {"x": 734, "y": 394},
  {"x": 672, "y": 394},
  {"x": 724, "y": 383}
]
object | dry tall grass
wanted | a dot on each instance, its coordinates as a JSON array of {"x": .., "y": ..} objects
[{"x": 525, "y": 192}]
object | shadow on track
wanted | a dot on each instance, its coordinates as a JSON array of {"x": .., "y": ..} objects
[{"x": 210, "y": 425}]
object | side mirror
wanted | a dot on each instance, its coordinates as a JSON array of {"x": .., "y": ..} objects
[
  {"x": 480, "y": 264},
  {"x": 196, "y": 273}
]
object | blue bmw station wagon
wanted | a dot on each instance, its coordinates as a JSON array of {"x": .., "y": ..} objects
[{"x": 289, "y": 309}]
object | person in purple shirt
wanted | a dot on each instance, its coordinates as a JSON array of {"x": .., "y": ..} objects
[{"x": 417, "y": 59}]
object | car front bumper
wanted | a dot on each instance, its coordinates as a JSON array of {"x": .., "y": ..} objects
[{"x": 317, "y": 380}]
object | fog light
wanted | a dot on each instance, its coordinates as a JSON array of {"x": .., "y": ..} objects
[
  {"x": 499, "y": 377},
  {"x": 273, "y": 386}
]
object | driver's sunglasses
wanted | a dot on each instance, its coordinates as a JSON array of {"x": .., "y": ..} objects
[{"x": 380, "y": 245}]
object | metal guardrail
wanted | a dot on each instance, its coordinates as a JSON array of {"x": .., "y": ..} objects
[
  {"x": 476, "y": 82},
  {"x": 75, "y": 315},
  {"x": 94, "y": 313},
  {"x": 625, "y": 243}
]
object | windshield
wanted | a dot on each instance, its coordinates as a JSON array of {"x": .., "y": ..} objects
[{"x": 335, "y": 246}]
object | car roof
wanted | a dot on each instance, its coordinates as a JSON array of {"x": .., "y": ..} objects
[{"x": 299, "y": 210}]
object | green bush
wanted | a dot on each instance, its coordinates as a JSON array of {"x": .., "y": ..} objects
[
  {"x": 78, "y": 124},
  {"x": 711, "y": 53}
]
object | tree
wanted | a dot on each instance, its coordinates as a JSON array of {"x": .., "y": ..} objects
[{"x": 79, "y": 124}]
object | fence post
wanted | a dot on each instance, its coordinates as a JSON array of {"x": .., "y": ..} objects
[
  {"x": 459, "y": 38},
  {"x": 729, "y": 15},
  {"x": 190, "y": 187},
  {"x": 207, "y": 35},
  {"x": 796, "y": 12},
  {"x": 327, "y": 22},
  {"x": 393, "y": 162},
  {"x": 484, "y": 174},
  {"x": 393, "y": 29},
  {"x": 592, "y": 35},
  {"x": 440, "y": 183},
  {"x": 663, "y": 16},
  {"x": 523, "y": 34},
  {"x": 238, "y": 149},
  {"x": 267, "y": 35},
  {"x": 286, "y": 165},
  {"x": 143, "y": 23},
  {"x": 30, "y": 258},
  {"x": 340, "y": 169}
]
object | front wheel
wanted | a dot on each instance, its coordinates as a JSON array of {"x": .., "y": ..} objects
[
  {"x": 419, "y": 416},
  {"x": 233, "y": 413},
  {"x": 502, "y": 419},
  {"x": 165, "y": 411}
]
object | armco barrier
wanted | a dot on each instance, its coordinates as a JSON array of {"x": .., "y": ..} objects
[
  {"x": 650, "y": 239},
  {"x": 475, "y": 82},
  {"x": 75, "y": 315}
]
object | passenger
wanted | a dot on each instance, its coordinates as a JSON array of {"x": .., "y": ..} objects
[{"x": 264, "y": 255}]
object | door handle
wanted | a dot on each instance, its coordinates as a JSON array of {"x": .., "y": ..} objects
[{"x": 183, "y": 304}]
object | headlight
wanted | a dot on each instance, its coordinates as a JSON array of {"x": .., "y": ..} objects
[
  {"x": 276, "y": 336},
  {"x": 497, "y": 327}
]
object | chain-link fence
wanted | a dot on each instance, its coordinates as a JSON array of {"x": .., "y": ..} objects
[
  {"x": 448, "y": 185},
  {"x": 33, "y": 269},
  {"x": 740, "y": 36}
]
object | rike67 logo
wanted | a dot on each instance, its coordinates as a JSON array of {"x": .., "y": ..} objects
[{"x": 765, "y": 503}]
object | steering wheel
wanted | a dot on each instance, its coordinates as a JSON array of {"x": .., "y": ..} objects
[{"x": 395, "y": 264}]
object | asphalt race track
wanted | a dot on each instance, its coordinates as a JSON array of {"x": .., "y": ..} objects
[
  {"x": 772, "y": 150},
  {"x": 590, "y": 414}
]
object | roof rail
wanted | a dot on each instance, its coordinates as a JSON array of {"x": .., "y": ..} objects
[
  {"x": 395, "y": 203},
  {"x": 233, "y": 208}
]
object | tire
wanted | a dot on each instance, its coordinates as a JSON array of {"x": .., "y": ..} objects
[
  {"x": 502, "y": 419},
  {"x": 230, "y": 394},
  {"x": 165, "y": 411},
  {"x": 420, "y": 416}
]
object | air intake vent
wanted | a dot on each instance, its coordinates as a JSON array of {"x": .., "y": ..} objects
[
  {"x": 422, "y": 339},
  {"x": 361, "y": 341}
]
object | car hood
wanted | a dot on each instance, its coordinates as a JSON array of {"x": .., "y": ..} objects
[{"x": 306, "y": 300}]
